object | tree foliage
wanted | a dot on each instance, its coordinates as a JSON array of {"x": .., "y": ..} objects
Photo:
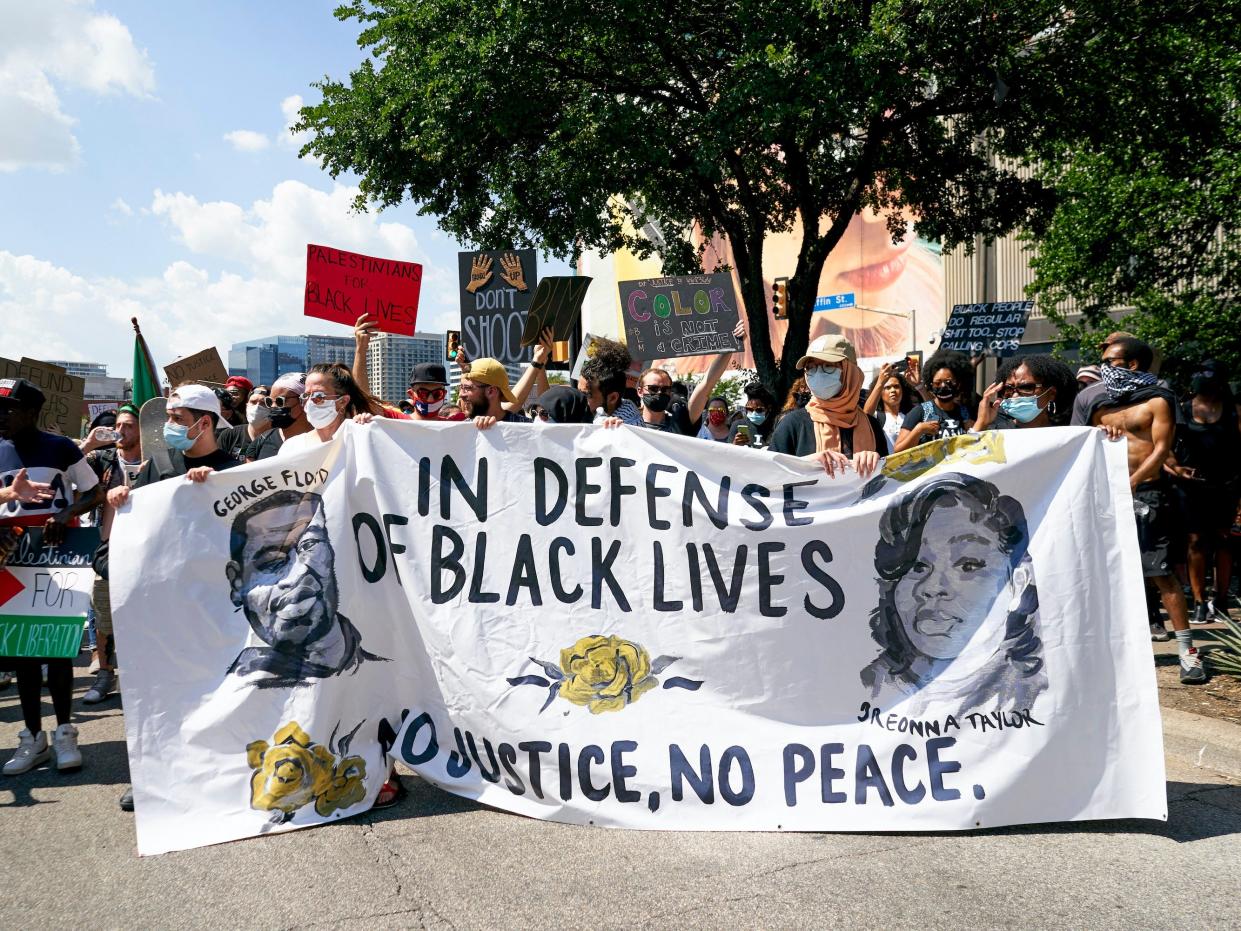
[
  {"x": 1147, "y": 172},
  {"x": 519, "y": 121}
]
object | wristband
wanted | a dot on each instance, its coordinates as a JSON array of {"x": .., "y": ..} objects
[{"x": 538, "y": 365}]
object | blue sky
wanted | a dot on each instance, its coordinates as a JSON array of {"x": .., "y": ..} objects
[{"x": 146, "y": 169}]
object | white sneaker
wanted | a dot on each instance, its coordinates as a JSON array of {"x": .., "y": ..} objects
[
  {"x": 31, "y": 751},
  {"x": 65, "y": 743},
  {"x": 105, "y": 682}
]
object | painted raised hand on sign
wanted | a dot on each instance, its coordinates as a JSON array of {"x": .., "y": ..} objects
[
  {"x": 480, "y": 272},
  {"x": 292, "y": 771},
  {"x": 603, "y": 674},
  {"x": 283, "y": 576},
  {"x": 511, "y": 270},
  {"x": 957, "y": 621}
]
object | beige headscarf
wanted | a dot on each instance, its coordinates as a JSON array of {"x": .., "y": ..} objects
[{"x": 842, "y": 411}]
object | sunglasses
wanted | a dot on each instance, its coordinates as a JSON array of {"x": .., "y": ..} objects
[
  {"x": 1025, "y": 389},
  {"x": 284, "y": 401},
  {"x": 429, "y": 394},
  {"x": 540, "y": 413},
  {"x": 318, "y": 397}
]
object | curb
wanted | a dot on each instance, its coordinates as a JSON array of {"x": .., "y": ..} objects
[{"x": 1201, "y": 742}]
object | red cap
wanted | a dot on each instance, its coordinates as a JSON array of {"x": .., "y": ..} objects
[{"x": 241, "y": 382}]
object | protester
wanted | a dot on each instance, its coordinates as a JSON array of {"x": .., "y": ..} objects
[
  {"x": 1133, "y": 406},
  {"x": 115, "y": 465},
  {"x": 1089, "y": 393},
  {"x": 831, "y": 429},
  {"x": 427, "y": 392},
  {"x": 562, "y": 404},
  {"x": 238, "y": 389},
  {"x": 331, "y": 396},
  {"x": 755, "y": 430},
  {"x": 1206, "y": 469},
  {"x": 286, "y": 416},
  {"x": 655, "y": 391},
  {"x": 1088, "y": 375},
  {"x": 484, "y": 390},
  {"x": 189, "y": 431},
  {"x": 57, "y": 462},
  {"x": 1032, "y": 391},
  {"x": 890, "y": 393},
  {"x": 948, "y": 376},
  {"x": 241, "y": 441},
  {"x": 604, "y": 378},
  {"x": 715, "y": 425}
]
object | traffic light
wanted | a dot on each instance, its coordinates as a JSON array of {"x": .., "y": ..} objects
[{"x": 780, "y": 298}]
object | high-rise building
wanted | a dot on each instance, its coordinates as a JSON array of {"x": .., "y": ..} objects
[
  {"x": 99, "y": 387},
  {"x": 391, "y": 357},
  {"x": 329, "y": 349},
  {"x": 264, "y": 360}
]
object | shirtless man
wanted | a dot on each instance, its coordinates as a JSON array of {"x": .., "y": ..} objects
[{"x": 1134, "y": 406}]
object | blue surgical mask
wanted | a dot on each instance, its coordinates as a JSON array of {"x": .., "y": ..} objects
[
  {"x": 824, "y": 383},
  {"x": 756, "y": 417},
  {"x": 1022, "y": 410},
  {"x": 177, "y": 436}
]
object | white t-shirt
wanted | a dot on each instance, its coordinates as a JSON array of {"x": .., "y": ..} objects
[
  {"x": 299, "y": 443},
  {"x": 891, "y": 427}
]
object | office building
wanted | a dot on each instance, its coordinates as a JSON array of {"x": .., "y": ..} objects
[
  {"x": 99, "y": 386},
  {"x": 264, "y": 360},
  {"x": 329, "y": 349},
  {"x": 391, "y": 357}
]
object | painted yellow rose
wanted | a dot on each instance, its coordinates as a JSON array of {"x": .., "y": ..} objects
[
  {"x": 289, "y": 773},
  {"x": 347, "y": 788},
  {"x": 605, "y": 673}
]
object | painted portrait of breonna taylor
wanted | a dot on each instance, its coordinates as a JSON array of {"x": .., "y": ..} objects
[
  {"x": 282, "y": 575},
  {"x": 957, "y": 622}
]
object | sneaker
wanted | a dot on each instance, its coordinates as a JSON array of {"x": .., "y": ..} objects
[
  {"x": 31, "y": 751},
  {"x": 127, "y": 800},
  {"x": 1200, "y": 615},
  {"x": 1192, "y": 672},
  {"x": 1159, "y": 633},
  {"x": 105, "y": 682},
  {"x": 65, "y": 743}
]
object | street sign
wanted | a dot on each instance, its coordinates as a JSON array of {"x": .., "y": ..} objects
[{"x": 834, "y": 302}]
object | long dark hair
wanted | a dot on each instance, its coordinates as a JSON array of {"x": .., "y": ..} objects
[
  {"x": 900, "y": 540},
  {"x": 342, "y": 380},
  {"x": 1050, "y": 373}
]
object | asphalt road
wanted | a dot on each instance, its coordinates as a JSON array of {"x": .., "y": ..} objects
[{"x": 438, "y": 861}]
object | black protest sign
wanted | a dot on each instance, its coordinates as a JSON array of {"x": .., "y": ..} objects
[
  {"x": 692, "y": 315},
  {"x": 65, "y": 393},
  {"x": 497, "y": 289},
  {"x": 979, "y": 329},
  {"x": 557, "y": 304}
]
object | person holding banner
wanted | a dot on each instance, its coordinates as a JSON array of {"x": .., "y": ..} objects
[
  {"x": 831, "y": 429},
  {"x": 948, "y": 376},
  {"x": 660, "y": 412},
  {"x": 484, "y": 391},
  {"x": 1031, "y": 391},
  {"x": 331, "y": 395},
  {"x": 76, "y": 491}
]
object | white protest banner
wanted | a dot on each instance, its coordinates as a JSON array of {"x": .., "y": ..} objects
[{"x": 629, "y": 629}]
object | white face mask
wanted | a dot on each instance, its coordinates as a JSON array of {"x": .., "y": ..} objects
[
  {"x": 321, "y": 415},
  {"x": 257, "y": 414},
  {"x": 824, "y": 383}
]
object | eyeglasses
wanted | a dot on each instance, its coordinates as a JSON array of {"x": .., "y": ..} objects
[
  {"x": 283, "y": 401},
  {"x": 815, "y": 366},
  {"x": 1026, "y": 389},
  {"x": 657, "y": 389},
  {"x": 428, "y": 394},
  {"x": 318, "y": 397}
]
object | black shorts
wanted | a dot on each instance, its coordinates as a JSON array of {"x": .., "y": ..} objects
[
  {"x": 1206, "y": 509},
  {"x": 1157, "y": 528}
]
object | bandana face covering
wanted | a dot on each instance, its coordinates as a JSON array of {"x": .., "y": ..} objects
[{"x": 1119, "y": 382}]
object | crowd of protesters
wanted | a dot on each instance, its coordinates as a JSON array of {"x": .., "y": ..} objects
[{"x": 1184, "y": 456}]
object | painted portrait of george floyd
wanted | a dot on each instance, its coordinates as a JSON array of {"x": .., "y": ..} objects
[
  {"x": 282, "y": 575},
  {"x": 957, "y": 622}
]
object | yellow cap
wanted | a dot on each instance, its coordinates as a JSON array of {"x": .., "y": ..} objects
[{"x": 491, "y": 372}]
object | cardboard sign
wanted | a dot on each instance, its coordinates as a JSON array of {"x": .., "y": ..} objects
[
  {"x": 95, "y": 408},
  {"x": 342, "y": 286},
  {"x": 497, "y": 289},
  {"x": 44, "y": 594},
  {"x": 65, "y": 393},
  {"x": 692, "y": 315},
  {"x": 978, "y": 329},
  {"x": 557, "y": 304},
  {"x": 201, "y": 367}
]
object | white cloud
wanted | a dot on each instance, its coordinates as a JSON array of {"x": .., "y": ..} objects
[
  {"x": 290, "y": 107},
  {"x": 50, "y": 312},
  {"x": 61, "y": 42},
  {"x": 120, "y": 206},
  {"x": 247, "y": 140}
]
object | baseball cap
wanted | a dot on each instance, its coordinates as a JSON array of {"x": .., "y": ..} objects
[
  {"x": 241, "y": 382},
  {"x": 831, "y": 347},
  {"x": 491, "y": 372},
  {"x": 428, "y": 373},
  {"x": 18, "y": 392},
  {"x": 1090, "y": 372},
  {"x": 195, "y": 397}
]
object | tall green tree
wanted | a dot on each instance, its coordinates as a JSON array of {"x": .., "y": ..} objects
[
  {"x": 517, "y": 121},
  {"x": 1147, "y": 171}
]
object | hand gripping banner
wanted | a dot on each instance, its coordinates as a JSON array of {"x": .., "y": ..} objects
[{"x": 623, "y": 628}]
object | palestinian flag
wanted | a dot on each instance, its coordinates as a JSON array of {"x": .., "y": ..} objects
[{"x": 146, "y": 379}]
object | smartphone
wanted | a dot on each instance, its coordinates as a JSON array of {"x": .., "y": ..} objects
[
  {"x": 452, "y": 345},
  {"x": 900, "y": 366},
  {"x": 743, "y": 431}
]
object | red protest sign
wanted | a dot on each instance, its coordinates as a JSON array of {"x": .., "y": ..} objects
[{"x": 341, "y": 286}]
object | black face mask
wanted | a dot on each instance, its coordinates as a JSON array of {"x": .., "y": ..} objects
[
  {"x": 944, "y": 394},
  {"x": 656, "y": 402},
  {"x": 281, "y": 417}
]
